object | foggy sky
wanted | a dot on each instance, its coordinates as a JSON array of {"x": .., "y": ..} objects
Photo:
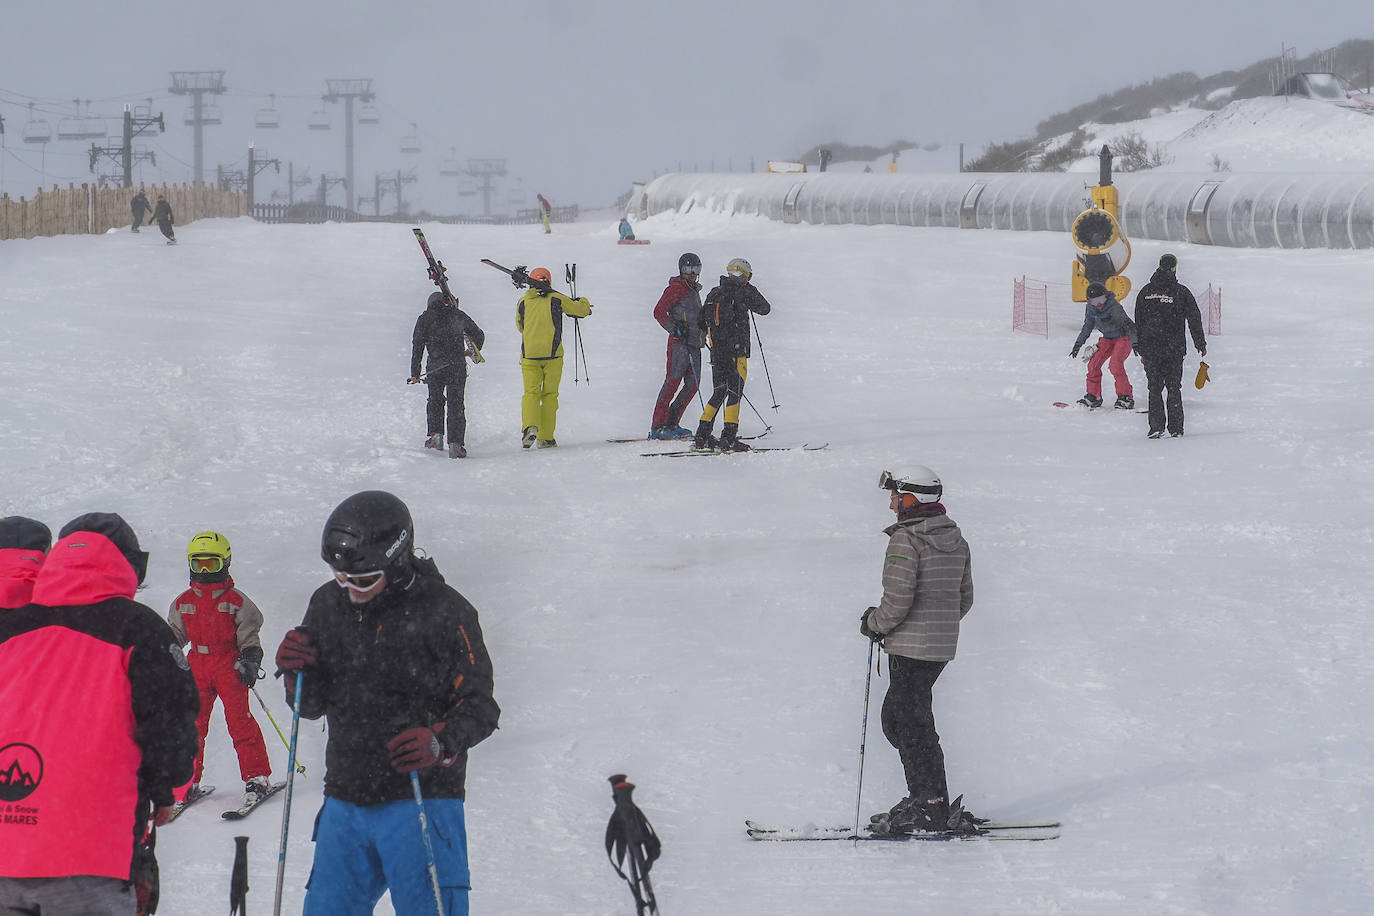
[{"x": 581, "y": 99}]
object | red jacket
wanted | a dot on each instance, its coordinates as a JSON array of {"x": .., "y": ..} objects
[
  {"x": 18, "y": 569},
  {"x": 215, "y": 619},
  {"x": 97, "y": 716}
]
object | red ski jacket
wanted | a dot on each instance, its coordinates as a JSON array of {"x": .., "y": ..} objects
[
  {"x": 97, "y": 716},
  {"x": 18, "y": 570}
]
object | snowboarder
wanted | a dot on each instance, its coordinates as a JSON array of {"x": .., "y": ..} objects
[
  {"x": 444, "y": 329},
  {"x": 1162, "y": 308},
  {"x": 927, "y": 590},
  {"x": 218, "y": 627},
  {"x": 98, "y": 707},
  {"x": 394, "y": 658},
  {"x": 24, "y": 543},
  {"x": 725, "y": 317},
  {"x": 162, "y": 215},
  {"x": 545, "y": 213},
  {"x": 139, "y": 206},
  {"x": 539, "y": 318},
  {"x": 679, "y": 313},
  {"x": 627, "y": 232},
  {"x": 1105, "y": 314}
]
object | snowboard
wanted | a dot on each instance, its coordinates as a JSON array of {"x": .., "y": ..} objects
[
  {"x": 243, "y": 811},
  {"x": 632, "y": 241}
]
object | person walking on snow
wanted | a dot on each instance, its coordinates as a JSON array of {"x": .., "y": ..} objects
[
  {"x": 545, "y": 213},
  {"x": 394, "y": 659},
  {"x": 139, "y": 206},
  {"x": 218, "y": 627},
  {"x": 725, "y": 317},
  {"x": 24, "y": 543},
  {"x": 539, "y": 319},
  {"x": 679, "y": 313},
  {"x": 1162, "y": 308},
  {"x": 927, "y": 590},
  {"x": 1105, "y": 314},
  {"x": 162, "y": 215},
  {"x": 98, "y": 706},
  {"x": 444, "y": 330}
]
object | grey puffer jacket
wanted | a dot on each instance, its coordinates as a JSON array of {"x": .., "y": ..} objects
[
  {"x": 1111, "y": 319},
  {"x": 927, "y": 588}
]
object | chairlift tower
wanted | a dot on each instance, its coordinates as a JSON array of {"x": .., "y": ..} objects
[
  {"x": 484, "y": 170},
  {"x": 124, "y": 155},
  {"x": 197, "y": 84},
  {"x": 348, "y": 90}
]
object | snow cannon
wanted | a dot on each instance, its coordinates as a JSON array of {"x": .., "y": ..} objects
[{"x": 1104, "y": 251}]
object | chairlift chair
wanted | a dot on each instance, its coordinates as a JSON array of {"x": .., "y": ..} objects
[
  {"x": 367, "y": 114},
  {"x": 268, "y": 118},
  {"x": 319, "y": 120},
  {"x": 37, "y": 131},
  {"x": 411, "y": 142}
]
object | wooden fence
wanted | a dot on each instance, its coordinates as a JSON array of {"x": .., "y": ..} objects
[{"x": 90, "y": 210}]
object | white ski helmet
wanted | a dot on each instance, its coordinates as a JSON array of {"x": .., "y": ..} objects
[
  {"x": 918, "y": 480},
  {"x": 739, "y": 268}
]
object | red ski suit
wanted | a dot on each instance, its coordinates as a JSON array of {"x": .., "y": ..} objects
[{"x": 214, "y": 622}]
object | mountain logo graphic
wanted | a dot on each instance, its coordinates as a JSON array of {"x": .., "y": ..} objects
[{"x": 21, "y": 771}]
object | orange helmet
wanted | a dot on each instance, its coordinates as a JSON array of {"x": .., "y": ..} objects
[{"x": 541, "y": 274}]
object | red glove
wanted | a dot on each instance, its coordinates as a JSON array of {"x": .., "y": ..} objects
[
  {"x": 296, "y": 651},
  {"x": 417, "y": 749}
]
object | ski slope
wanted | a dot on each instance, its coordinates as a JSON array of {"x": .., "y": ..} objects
[{"x": 1168, "y": 649}]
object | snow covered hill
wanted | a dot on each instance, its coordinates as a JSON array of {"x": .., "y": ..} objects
[{"x": 1169, "y": 644}]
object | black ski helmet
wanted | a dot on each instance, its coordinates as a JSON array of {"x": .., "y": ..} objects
[
  {"x": 1095, "y": 290},
  {"x": 689, "y": 260},
  {"x": 437, "y": 298},
  {"x": 370, "y": 531}
]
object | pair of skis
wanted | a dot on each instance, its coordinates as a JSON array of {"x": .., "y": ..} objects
[
  {"x": 1027, "y": 832},
  {"x": 704, "y": 452},
  {"x": 233, "y": 814},
  {"x": 439, "y": 274}
]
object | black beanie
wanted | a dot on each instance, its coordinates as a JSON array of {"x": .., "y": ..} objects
[
  {"x": 24, "y": 534},
  {"x": 119, "y": 533},
  {"x": 1168, "y": 261}
]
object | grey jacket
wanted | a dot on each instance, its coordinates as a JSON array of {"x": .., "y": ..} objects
[
  {"x": 927, "y": 588},
  {"x": 1111, "y": 320}
]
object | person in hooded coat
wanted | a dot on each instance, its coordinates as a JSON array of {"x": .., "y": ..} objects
[
  {"x": 23, "y": 545},
  {"x": 443, "y": 329},
  {"x": 1162, "y": 308}
]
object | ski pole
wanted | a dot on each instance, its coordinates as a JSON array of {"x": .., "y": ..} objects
[
  {"x": 429, "y": 848},
  {"x": 696, "y": 376},
  {"x": 300, "y": 767},
  {"x": 290, "y": 784},
  {"x": 570, "y": 275},
  {"x": 745, "y": 397},
  {"x": 863, "y": 740},
  {"x": 238, "y": 879},
  {"x": 764, "y": 358}
]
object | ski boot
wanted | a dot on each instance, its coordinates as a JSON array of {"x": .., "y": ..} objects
[
  {"x": 678, "y": 432},
  {"x": 661, "y": 432},
  {"x": 961, "y": 821},
  {"x": 528, "y": 435},
  {"x": 703, "y": 440},
  {"x": 456, "y": 451},
  {"x": 1124, "y": 402},
  {"x": 1156, "y": 434},
  {"x": 434, "y": 440},
  {"x": 1090, "y": 401},
  {"x": 729, "y": 439},
  {"x": 546, "y": 443},
  {"x": 255, "y": 790},
  {"x": 911, "y": 816}
]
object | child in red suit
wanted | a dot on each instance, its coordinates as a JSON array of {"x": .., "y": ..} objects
[{"x": 218, "y": 626}]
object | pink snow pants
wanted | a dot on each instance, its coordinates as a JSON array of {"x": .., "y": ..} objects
[{"x": 1117, "y": 349}]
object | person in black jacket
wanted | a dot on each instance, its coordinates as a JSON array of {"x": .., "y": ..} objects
[
  {"x": 394, "y": 658},
  {"x": 450, "y": 335},
  {"x": 1161, "y": 309},
  {"x": 725, "y": 318},
  {"x": 162, "y": 215},
  {"x": 139, "y": 206}
]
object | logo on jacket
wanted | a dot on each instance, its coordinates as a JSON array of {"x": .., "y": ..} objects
[{"x": 21, "y": 771}]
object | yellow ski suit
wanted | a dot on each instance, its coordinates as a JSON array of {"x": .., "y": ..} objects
[{"x": 539, "y": 318}]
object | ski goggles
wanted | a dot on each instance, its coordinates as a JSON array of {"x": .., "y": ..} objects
[
  {"x": 1097, "y": 301},
  {"x": 359, "y": 582},
  {"x": 690, "y": 270},
  {"x": 207, "y": 564},
  {"x": 897, "y": 485}
]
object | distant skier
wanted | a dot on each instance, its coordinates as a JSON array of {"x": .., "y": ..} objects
[
  {"x": 927, "y": 590},
  {"x": 725, "y": 319},
  {"x": 1105, "y": 314},
  {"x": 539, "y": 319},
  {"x": 24, "y": 543},
  {"x": 627, "y": 232},
  {"x": 545, "y": 213},
  {"x": 218, "y": 626},
  {"x": 444, "y": 330},
  {"x": 139, "y": 206},
  {"x": 1162, "y": 308},
  {"x": 679, "y": 313},
  {"x": 162, "y": 215}
]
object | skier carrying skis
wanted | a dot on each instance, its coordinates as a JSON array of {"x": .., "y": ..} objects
[
  {"x": 24, "y": 543},
  {"x": 98, "y": 707},
  {"x": 394, "y": 658},
  {"x": 679, "y": 313},
  {"x": 139, "y": 206},
  {"x": 1162, "y": 308},
  {"x": 218, "y": 627},
  {"x": 1105, "y": 314},
  {"x": 162, "y": 215},
  {"x": 539, "y": 319},
  {"x": 927, "y": 590},
  {"x": 725, "y": 319},
  {"x": 444, "y": 329}
]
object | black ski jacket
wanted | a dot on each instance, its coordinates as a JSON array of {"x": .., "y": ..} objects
[
  {"x": 725, "y": 316},
  {"x": 412, "y": 656},
  {"x": 1161, "y": 308},
  {"x": 441, "y": 330},
  {"x": 162, "y": 213}
]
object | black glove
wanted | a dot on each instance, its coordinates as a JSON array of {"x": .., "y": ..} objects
[
  {"x": 417, "y": 749},
  {"x": 1073, "y": 354},
  {"x": 866, "y": 630},
  {"x": 249, "y": 665}
]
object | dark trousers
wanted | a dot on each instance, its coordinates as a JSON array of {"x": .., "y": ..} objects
[
  {"x": 727, "y": 387},
  {"x": 909, "y": 724},
  {"x": 138, "y": 219},
  {"x": 1161, "y": 375},
  {"x": 446, "y": 392},
  {"x": 166, "y": 227},
  {"x": 684, "y": 369}
]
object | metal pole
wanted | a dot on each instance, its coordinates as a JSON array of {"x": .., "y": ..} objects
[
  {"x": 290, "y": 784},
  {"x": 429, "y": 848},
  {"x": 863, "y": 739}
]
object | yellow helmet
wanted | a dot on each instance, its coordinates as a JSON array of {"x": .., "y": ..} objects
[{"x": 209, "y": 552}]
